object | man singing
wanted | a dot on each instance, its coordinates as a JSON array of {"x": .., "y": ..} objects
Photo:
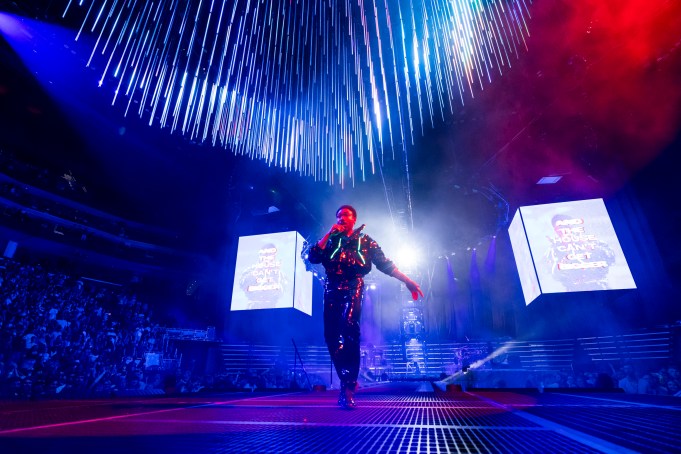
[{"x": 347, "y": 256}]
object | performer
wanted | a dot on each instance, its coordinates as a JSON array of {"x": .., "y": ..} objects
[{"x": 347, "y": 256}]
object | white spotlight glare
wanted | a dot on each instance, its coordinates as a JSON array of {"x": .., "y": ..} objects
[{"x": 407, "y": 256}]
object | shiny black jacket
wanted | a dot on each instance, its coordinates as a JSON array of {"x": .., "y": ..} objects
[{"x": 346, "y": 258}]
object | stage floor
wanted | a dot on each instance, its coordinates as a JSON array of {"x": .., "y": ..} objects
[{"x": 391, "y": 417}]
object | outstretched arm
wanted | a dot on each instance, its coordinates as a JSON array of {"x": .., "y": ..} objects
[{"x": 413, "y": 287}]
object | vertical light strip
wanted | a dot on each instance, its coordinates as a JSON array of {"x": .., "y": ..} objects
[{"x": 321, "y": 88}]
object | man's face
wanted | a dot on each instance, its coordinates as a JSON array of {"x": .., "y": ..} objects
[{"x": 345, "y": 218}]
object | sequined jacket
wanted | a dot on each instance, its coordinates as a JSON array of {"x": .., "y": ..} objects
[{"x": 346, "y": 258}]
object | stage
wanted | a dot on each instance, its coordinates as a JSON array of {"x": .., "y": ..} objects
[{"x": 391, "y": 417}]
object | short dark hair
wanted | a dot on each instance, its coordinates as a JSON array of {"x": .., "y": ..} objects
[
  {"x": 349, "y": 207},
  {"x": 559, "y": 217}
]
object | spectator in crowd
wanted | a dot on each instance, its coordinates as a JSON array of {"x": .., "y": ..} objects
[{"x": 629, "y": 382}]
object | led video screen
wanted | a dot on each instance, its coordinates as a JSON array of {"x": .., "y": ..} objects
[
  {"x": 573, "y": 248},
  {"x": 523, "y": 259},
  {"x": 269, "y": 274}
]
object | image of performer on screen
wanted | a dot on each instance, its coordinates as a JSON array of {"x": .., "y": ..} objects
[
  {"x": 347, "y": 255},
  {"x": 264, "y": 282},
  {"x": 579, "y": 260}
]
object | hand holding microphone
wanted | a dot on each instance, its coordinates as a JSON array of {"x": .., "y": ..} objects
[{"x": 336, "y": 229}]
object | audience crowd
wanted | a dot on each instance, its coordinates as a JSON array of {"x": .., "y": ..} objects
[
  {"x": 663, "y": 381},
  {"x": 63, "y": 336}
]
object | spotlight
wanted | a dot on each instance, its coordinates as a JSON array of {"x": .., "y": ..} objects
[{"x": 408, "y": 257}]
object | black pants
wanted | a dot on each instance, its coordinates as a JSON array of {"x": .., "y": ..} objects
[{"x": 342, "y": 312}]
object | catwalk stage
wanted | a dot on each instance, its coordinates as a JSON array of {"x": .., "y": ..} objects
[{"x": 391, "y": 417}]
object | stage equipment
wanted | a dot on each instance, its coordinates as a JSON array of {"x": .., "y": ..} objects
[
  {"x": 270, "y": 274},
  {"x": 567, "y": 247},
  {"x": 319, "y": 88}
]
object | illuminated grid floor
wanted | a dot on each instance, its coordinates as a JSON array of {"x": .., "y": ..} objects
[{"x": 393, "y": 418}]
